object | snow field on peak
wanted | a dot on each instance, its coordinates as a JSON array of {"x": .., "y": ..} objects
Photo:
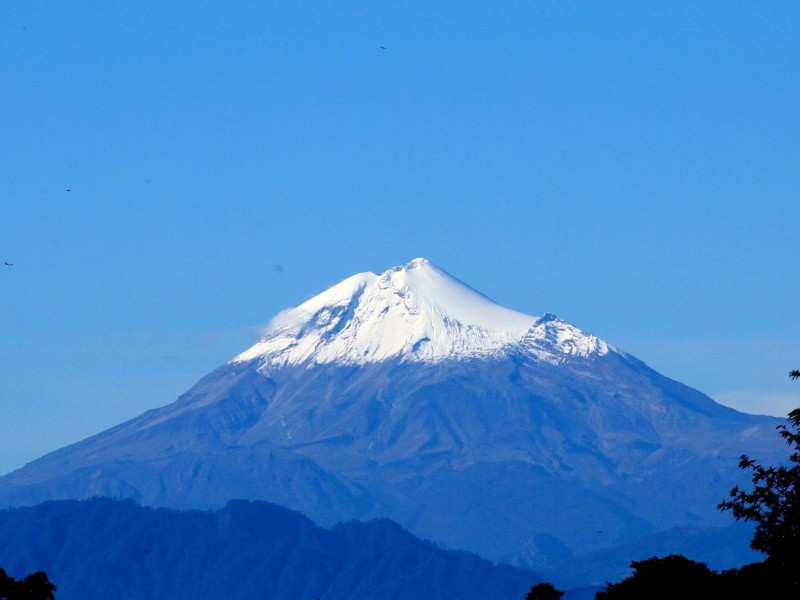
[
  {"x": 415, "y": 312},
  {"x": 552, "y": 339}
]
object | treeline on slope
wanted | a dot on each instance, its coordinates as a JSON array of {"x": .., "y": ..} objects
[
  {"x": 773, "y": 504},
  {"x": 107, "y": 549}
]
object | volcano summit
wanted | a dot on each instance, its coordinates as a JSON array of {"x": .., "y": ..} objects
[
  {"x": 412, "y": 396},
  {"x": 412, "y": 313}
]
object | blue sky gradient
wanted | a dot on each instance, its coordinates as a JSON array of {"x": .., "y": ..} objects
[{"x": 172, "y": 175}]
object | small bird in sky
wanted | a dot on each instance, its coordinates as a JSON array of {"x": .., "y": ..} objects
[
  {"x": 8, "y": 264},
  {"x": 382, "y": 47}
]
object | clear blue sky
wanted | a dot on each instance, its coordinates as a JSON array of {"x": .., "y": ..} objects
[{"x": 172, "y": 174}]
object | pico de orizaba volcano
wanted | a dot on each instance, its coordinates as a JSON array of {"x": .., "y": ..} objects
[{"x": 409, "y": 395}]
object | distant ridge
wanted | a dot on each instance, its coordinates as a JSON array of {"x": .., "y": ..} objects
[{"x": 104, "y": 550}]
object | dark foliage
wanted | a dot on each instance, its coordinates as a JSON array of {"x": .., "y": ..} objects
[
  {"x": 676, "y": 576},
  {"x": 757, "y": 580},
  {"x": 774, "y": 506},
  {"x": 35, "y": 586},
  {"x": 544, "y": 591},
  {"x": 670, "y": 577}
]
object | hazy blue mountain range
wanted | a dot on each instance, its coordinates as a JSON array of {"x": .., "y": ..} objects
[
  {"x": 410, "y": 395},
  {"x": 105, "y": 549}
]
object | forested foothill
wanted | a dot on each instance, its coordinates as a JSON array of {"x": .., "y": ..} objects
[{"x": 103, "y": 549}]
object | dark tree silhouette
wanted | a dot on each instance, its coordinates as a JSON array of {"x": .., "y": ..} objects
[
  {"x": 774, "y": 506},
  {"x": 35, "y": 586},
  {"x": 670, "y": 577},
  {"x": 6, "y": 584},
  {"x": 544, "y": 591}
]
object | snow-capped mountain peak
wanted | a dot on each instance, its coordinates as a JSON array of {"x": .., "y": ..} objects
[{"x": 414, "y": 312}]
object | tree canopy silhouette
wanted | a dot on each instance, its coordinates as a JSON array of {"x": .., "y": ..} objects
[
  {"x": 35, "y": 586},
  {"x": 669, "y": 577},
  {"x": 544, "y": 591}
]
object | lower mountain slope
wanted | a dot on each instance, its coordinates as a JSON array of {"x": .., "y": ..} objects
[{"x": 515, "y": 460}]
